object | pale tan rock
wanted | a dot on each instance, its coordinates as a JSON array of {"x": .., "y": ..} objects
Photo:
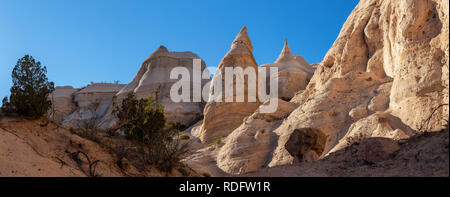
[
  {"x": 376, "y": 125},
  {"x": 62, "y": 103},
  {"x": 419, "y": 68},
  {"x": 248, "y": 147},
  {"x": 203, "y": 161},
  {"x": 358, "y": 112},
  {"x": 380, "y": 102},
  {"x": 92, "y": 101},
  {"x": 390, "y": 57},
  {"x": 153, "y": 80},
  {"x": 293, "y": 74},
  {"x": 221, "y": 118},
  {"x": 195, "y": 130},
  {"x": 383, "y": 76},
  {"x": 327, "y": 111}
]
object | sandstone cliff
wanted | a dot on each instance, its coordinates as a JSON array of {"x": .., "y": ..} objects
[{"x": 385, "y": 77}]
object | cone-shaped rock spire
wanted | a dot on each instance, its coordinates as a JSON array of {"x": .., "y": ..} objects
[
  {"x": 293, "y": 72},
  {"x": 243, "y": 39},
  {"x": 286, "y": 53},
  {"x": 221, "y": 118}
]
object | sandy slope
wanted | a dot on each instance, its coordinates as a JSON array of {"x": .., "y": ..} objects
[{"x": 36, "y": 148}]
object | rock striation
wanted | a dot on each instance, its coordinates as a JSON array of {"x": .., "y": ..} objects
[
  {"x": 293, "y": 75},
  {"x": 92, "y": 102},
  {"x": 249, "y": 147},
  {"x": 72, "y": 106},
  {"x": 153, "y": 80},
  {"x": 62, "y": 103},
  {"x": 383, "y": 77},
  {"x": 221, "y": 118},
  {"x": 384, "y": 80}
]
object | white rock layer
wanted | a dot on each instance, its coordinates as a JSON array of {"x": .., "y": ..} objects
[
  {"x": 153, "y": 80},
  {"x": 92, "y": 101},
  {"x": 384, "y": 76},
  {"x": 293, "y": 74},
  {"x": 62, "y": 103}
]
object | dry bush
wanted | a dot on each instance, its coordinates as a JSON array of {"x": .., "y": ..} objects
[{"x": 143, "y": 121}]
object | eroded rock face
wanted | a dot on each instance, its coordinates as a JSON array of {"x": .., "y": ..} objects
[
  {"x": 306, "y": 144},
  {"x": 383, "y": 76},
  {"x": 221, "y": 118},
  {"x": 293, "y": 74},
  {"x": 92, "y": 101},
  {"x": 249, "y": 147},
  {"x": 374, "y": 150},
  {"x": 62, "y": 103},
  {"x": 153, "y": 80}
]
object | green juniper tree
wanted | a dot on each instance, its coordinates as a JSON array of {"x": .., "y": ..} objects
[
  {"x": 30, "y": 90},
  {"x": 143, "y": 121}
]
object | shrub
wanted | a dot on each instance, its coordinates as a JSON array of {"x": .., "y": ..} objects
[
  {"x": 218, "y": 141},
  {"x": 176, "y": 126},
  {"x": 143, "y": 121},
  {"x": 72, "y": 130},
  {"x": 184, "y": 137},
  {"x": 30, "y": 90},
  {"x": 206, "y": 174}
]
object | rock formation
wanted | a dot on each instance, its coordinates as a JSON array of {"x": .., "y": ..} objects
[
  {"x": 62, "y": 103},
  {"x": 248, "y": 147},
  {"x": 293, "y": 74},
  {"x": 92, "y": 101},
  {"x": 221, "y": 118},
  {"x": 384, "y": 81},
  {"x": 383, "y": 77},
  {"x": 386, "y": 76},
  {"x": 306, "y": 144},
  {"x": 424, "y": 155},
  {"x": 153, "y": 79}
]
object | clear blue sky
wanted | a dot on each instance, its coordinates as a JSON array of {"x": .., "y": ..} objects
[{"x": 106, "y": 40}]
